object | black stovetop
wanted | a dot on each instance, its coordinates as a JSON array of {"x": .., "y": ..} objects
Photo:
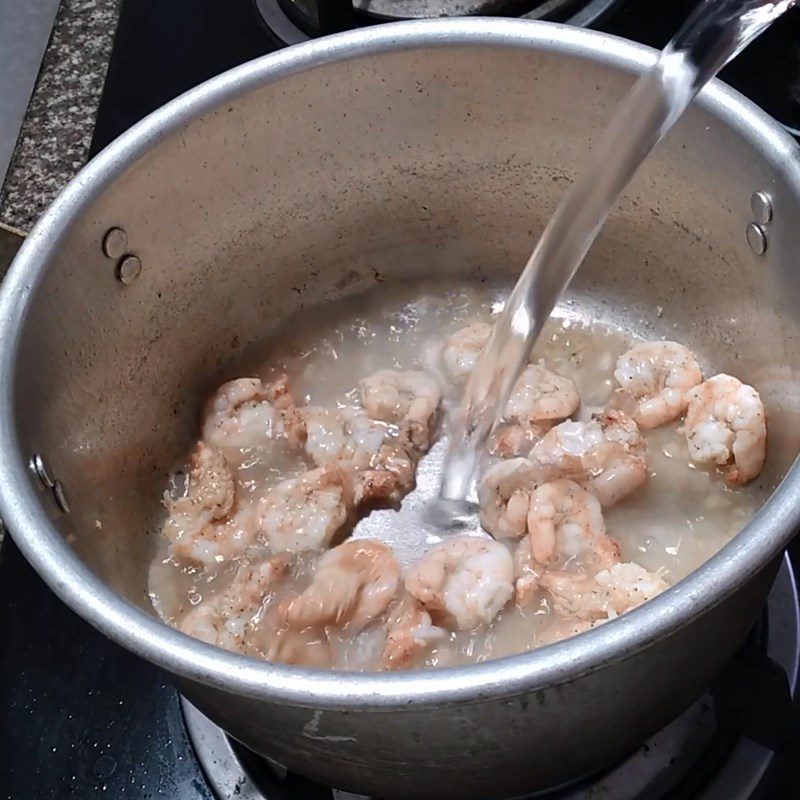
[{"x": 82, "y": 718}]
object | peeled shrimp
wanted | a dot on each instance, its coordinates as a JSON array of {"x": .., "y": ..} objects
[
  {"x": 407, "y": 399},
  {"x": 211, "y": 486},
  {"x": 354, "y": 584},
  {"x": 201, "y": 526},
  {"x": 561, "y": 627},
  {"x": 337, "y": 435},
  {"x": 540, "y": 399},
  {"x": 725, "y": 423},
  {"x": 504, "y": 495},
  {"x": 654, "y": 378},
  {"x": 464, "y": 581},
  {"x": 629, "y": 585},
  {"x": 610, "y": 592},
  {"x": 566, "y": 528},
  {"x": 605, "y": 455},
  {"x": 228, "y": 619},
  {"x": 527, "y": 572},
  {"x": 381, "y": 468},
  {"x": 247, "y": 412},
  {"x": 303, "y": 648},
  {"x": 461, "y": 350},
  {"x": 410, "y": 632},
  {"x": 304, "y": 513}
]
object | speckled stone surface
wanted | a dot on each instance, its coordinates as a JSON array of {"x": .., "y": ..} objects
[{"x": 57, "y": 130}]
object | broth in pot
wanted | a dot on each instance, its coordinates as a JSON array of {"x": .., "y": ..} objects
[{"x": 296, "y": 529}]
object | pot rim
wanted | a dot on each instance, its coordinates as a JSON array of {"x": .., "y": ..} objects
[{"x": 44, "y": 547}]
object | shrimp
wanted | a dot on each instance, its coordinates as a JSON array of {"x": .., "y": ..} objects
[
  {"x": 461, "y": 350},
  {"x": 410, "y": 632},
  {"x": 247, "y": 412},
  {"x": 228, "y": 619},
  {"x": 337, "y": 435},
  {"x": 540, "y": 399},
  {"x": 629, "y": 585},
  {"x": 381, "y": 468},
  {"x": 202, "y": 526},
  {"x": 560, "y": 628},
  {"x": 464, "y": 581},
  {"x": 504, "y": 495},
  {"x": 605, "y": 455},
  {"x": 304, "y": 513},
  {"x": 654, "y": 378},
  {"x": 527, "y": 572},
  {"x": 608, "y": 593},
  {"x": 725, "y": 423},
  {"x": 304, "y": 648},
  {"x": 408, "y": 399},
  {"x": 566, "y": 528},
  {"x": 211, "y": 491},
  {"x": 354, "y": 584}
]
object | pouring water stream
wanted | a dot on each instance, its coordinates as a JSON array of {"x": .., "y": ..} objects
[{"x": 714, "y": 34}]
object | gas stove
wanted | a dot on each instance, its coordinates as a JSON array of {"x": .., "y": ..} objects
[
  {"x": 296, "y": 21},
  {"x": 82, "y": 718}
]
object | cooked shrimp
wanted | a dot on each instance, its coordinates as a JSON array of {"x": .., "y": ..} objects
[
  {"x": 629, "y": 585},
  {"x": 407, "y": 399},
  {"x": 726, "y": 423},
  {"x": 392, "y": 478},
  {"x": 464, "y": 581},
  {"x": 228, "y": 618},
  {"x": 540, "y": 394},
  {"x": 605, "y": 455},
  {"x": 304, "y": 513},
  {"x": 302, "y": 648},
  {"x": 210, "y": 490},
  {"x": 540, "y": 399},
  {"x": 610, "y": 592},
  {"x": 562, "y": 627},
  {"x": 410, "y": 632},
  {"x": 654, "y": 378},
  {"x": 566, "y": 528},
  {"x": 247, "y": 412},
  {"x": 461, "y": 350},
  {"x": 330, "y": 435},
  {"x": 380, "y": 466},
  {"x": 515, "y": 441},
  {"x": 201, "y": 526},
  {"x": 504, "y": 495},
  {"x": 527, "y": 572},
  {"x": 354, "y": 584}
]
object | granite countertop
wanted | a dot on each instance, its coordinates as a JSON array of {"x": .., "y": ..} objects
[{"x": 57, "y": 131}]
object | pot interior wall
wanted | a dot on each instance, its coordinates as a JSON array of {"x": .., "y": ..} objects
[{"x": 445, "y": 161}]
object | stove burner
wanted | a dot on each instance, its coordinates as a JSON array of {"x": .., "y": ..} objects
[
  {"x": 294, "y": 21},
  {"x": 710, "y": 752}
]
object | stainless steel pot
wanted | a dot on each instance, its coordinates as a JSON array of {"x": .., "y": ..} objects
[{"x": 310, "y": 174}]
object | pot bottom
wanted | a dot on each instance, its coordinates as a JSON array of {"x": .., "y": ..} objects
[{"x": 720, "y": 748}]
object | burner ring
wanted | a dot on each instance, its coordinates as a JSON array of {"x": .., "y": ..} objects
[{"x": 292, "y": 22}]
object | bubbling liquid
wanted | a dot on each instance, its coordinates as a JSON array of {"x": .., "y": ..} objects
[{"x": 677, "y": 520}]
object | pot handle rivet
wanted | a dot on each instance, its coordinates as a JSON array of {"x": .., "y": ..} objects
[
  {"x": 761, "y": 206},
  {"x": 61, "y": 498},
  {"x": 129, "y": 269},
  {"x": 115, "y": 242},
  {"x": 756, "y": 238},
  {"x": 41, "y": 470}
]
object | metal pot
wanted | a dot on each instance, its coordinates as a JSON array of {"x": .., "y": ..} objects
[{"x": 310, "y": 174}]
